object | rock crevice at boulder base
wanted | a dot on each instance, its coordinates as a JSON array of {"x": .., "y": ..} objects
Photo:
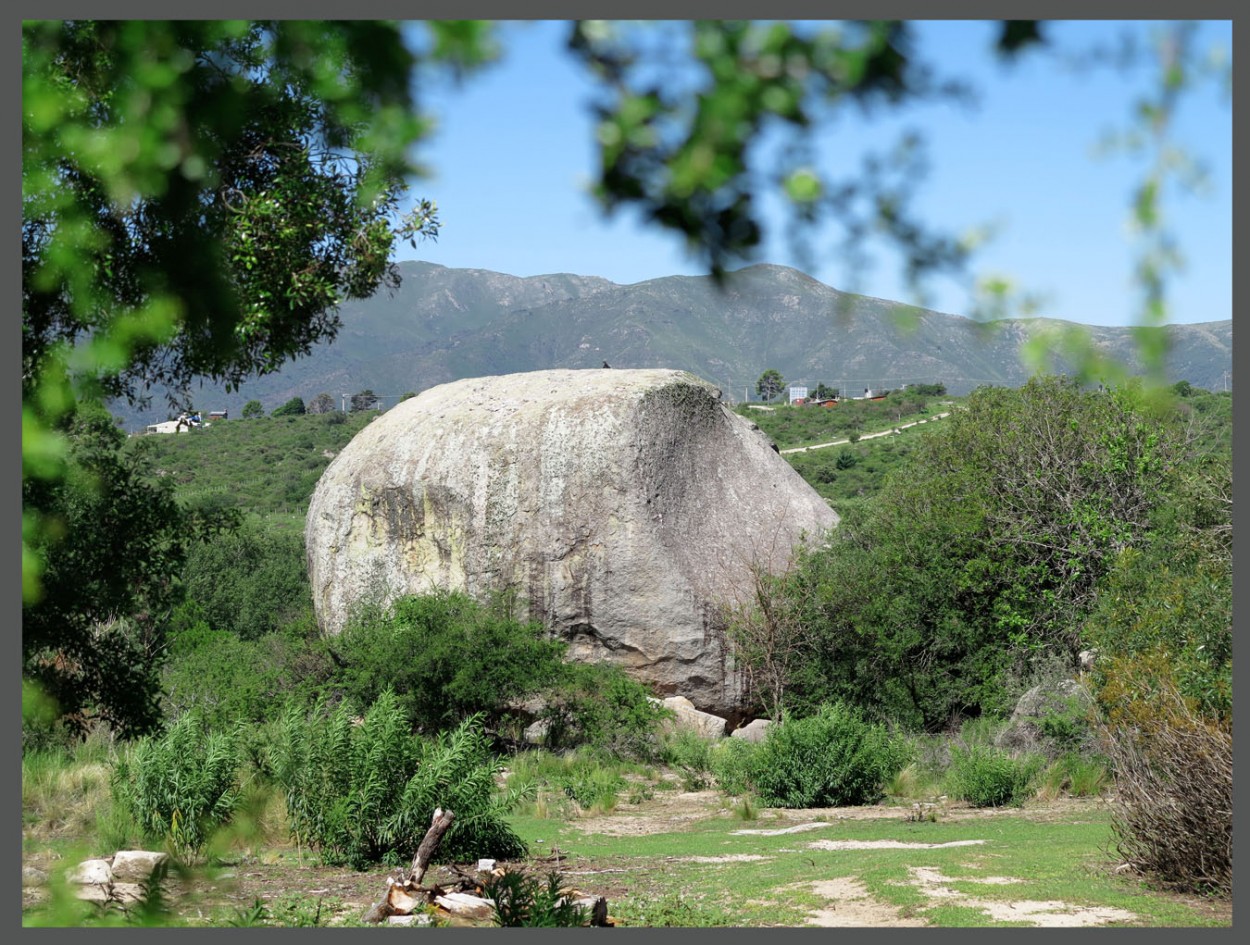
[{"x": 623, "y": 508}]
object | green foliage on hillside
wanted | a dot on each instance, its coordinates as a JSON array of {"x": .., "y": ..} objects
[
  {"x": 985, "y": 554},
  {"x": 112, "y": 546},
  {"x": 446, "y": 657},
  {"x": 790, "y": 426},
  {"x": 854, "y": 471},
  {"x": 266, "y": 465}
]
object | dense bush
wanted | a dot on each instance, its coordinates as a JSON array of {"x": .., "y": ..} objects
[
  {"x": 691, "y": 754},
  {"x": 181, "y": 785},
  {"x": 985, "y": 554},
  {"x": 362, "y": 791},
  {"x": 250, "y": 581},
  {"x": 599, "y": 706},
  {"x": 228, "y": 680},
  {"x": 829, "y": 759},
  {"x": 1173, "y": 806},
  {"x": 446, "y": 656},
  {"x": 985, "y": 776},
  {"x": 731, "y": 763}
]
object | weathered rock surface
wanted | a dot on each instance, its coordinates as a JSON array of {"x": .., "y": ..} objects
[
  {"x": 137, "y": 866},
  {"x": 622, "y": 507},
  {"x": 754, "y": 731},
  {"x": 687, "y": 717}
]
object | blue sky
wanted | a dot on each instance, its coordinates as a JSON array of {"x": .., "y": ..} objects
[{"x": 513, "y": 154}]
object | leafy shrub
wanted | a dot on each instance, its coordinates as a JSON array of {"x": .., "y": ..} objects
[
  {"x": 690, "y": 754},
  {"x": 829, "y": 759},
  {"x": 251, "y": 581},
  {"x": 362, "y": 792},
  {"x": 599, "y": 706},
  {"x": 229, "y": 680},
  {"x": 223, "y": 678},
  {"x": 1075, "y": 774},
  {"x": 593, "y": 787},
  {"x": 1066, "y": 728},
  {"x": 732, "y": 761},
  {"x": 181, "y": 785},
  {"x": 522, "y": 901},
  {"x": 446, "y": 657},
  {"x": 985, "y": 776}
]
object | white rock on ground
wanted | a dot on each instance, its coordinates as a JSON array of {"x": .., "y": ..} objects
[
  {"x": 687, "y": 717},
  {"x": 136, "y": 866},
  {"x": 622, "y": 507},
  {"x": 755, "y": 731}
]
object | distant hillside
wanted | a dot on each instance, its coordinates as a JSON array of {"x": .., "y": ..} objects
[{"x": 445, "y": 324}]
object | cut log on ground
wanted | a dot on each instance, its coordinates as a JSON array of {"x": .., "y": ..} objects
[
  {"x": 405, "y": 895},
  {"x": 460, "y": 902},
  {"x": 466, "y": 906}
]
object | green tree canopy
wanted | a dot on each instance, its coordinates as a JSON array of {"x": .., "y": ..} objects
[
  {"x": 770, "y": 384},
  {"x": 985, "y": 555},
  {"x": 197, "y": 199},
  {"x": 363, "y": 400},
  {"x": 292, "y": 408},
  {"x": 322, "y": 403},
  {"x": 253, "y": 408}
]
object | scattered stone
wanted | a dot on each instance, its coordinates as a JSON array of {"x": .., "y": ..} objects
[
  {"x": 96, "y": 871},
  {"x": 116, "y": 892},
  {"x": 417, "y": 918},
  {"x": 754, "y": 731},
  {"x": 687, "y": 717},
  {"x": 136, "y": 866},
  {"x": 33, "y": 876}
]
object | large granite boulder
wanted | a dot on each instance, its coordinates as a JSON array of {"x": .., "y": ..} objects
[{"x": 623, "y": 508}]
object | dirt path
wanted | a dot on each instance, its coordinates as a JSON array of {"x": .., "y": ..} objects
[{"x": 865, "y": 436}]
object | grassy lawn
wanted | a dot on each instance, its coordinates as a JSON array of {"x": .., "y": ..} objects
[{"x": 993, "y": 869}]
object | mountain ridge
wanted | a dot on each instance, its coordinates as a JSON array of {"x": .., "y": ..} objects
[{"x": 445, "y": 324}]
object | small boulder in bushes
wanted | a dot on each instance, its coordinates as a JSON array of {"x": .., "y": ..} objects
[
  {"x": 755, "y": 731},
  {"x": 687, "y": 718},
  {"x": 1051, "y": 719}
]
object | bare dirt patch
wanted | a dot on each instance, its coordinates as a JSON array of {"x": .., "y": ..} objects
[
  {"x": 888, "y": 845},
  {"x": 727, "y": 858},
  {"x": 797, "y": 828},
  {"x": 665, "y": 813},
  {"x": 852, "y": 906},
  {"x": 1048, "y": 913}
]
